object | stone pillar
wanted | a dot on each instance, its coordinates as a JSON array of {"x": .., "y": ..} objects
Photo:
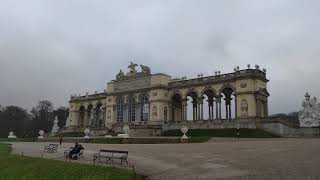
[
  {"x": 170, "y": 112},
  {"x": 86, "y": 118},
  {"x": 267, "y": 110},
  {"x": 200, "y": 104},
  {"x": 258, "y": 108},
  {"x": 212, "y": 110},
  {"x": 220, "y": 109},
  {"x": 236, "y": 107},
  {"x": 227, "y": 114},
  {"x": 194, "y": 111},
  {"x": 230, "y": 111},
  {"x": 184, "y": 110},
  {"x": 217, "y": 109}
]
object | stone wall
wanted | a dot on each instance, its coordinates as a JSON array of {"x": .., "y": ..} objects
[{"x": 285, "y": 131}]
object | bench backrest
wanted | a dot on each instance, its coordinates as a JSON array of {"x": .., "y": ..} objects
[{"x": 115, "y": 153}]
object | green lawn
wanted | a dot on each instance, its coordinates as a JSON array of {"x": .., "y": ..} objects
[
  {"x": 22, "y": 167},
  {"x": 243, "y": 133}
]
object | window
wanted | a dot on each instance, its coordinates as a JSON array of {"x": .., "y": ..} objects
[
  {"x": 119, "y": 108},
  {"x": 131, "y": 109},
  {"x": 144, "y": 109}
]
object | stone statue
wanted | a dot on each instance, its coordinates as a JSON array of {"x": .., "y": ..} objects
[
  {"x": 145, "y": 69},
  {"x": 132, "y": 68},
  {"x": 120, "y": 75},
  {"x": 244, "y": 107},
  {"x": 310, "y": 115},
  {"x": 55, "y": 127}
]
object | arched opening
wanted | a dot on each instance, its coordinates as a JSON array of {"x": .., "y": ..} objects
[
  {"x": 228, "y": 101},
  {"x": 90, "y": 115},
  {"x": 99, "y": 115},
  {"x": 144, "y": 108},
  {"x": 176, "y": 105},
  {"x": 208, "y": 101},
  {"x": 192, "y": 106},
  {"x": 81, "y": 116},
  {"x": 119, "y": 109},
  {"x": 131, "y": 109}
]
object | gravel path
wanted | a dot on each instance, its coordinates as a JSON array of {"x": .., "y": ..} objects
[{"x": 292, "y": 159}]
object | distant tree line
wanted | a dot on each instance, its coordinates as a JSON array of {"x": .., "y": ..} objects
[
  {"x": 27, "y": 124},
  {"x": 292, "y": 116}
]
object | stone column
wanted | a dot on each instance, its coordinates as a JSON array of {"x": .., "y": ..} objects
[
  {"x": 220, "y": 108},
  {"x": 200, "y": 105},
  {"x": 184, "y": 110},
  {"x": 86, "y": 118},
  {"x": 210, "y": 106},
  {"x": 267, "y": 110},
  {"x": 212, "y": 110},
  {"x": 236, "y": 107},
  {"x": 194, "y": 105},
  {"x": 217, "y": 108},
  {"x": 230, "y": 110},
  {"x": 227, "y": 114},
  {"x": 170, "y": 112}
]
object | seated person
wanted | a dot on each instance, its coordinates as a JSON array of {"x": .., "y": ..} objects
[{"x": 77, "y": 148}]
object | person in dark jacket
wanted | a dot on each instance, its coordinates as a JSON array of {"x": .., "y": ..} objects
[{"x": 77, "y": 148}]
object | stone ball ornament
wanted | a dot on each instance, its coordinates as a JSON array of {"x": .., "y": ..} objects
[
  {"x": 257, "y": 66},
  {"x": 248, "y": 66}
]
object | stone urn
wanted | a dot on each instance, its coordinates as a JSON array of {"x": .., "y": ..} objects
[
  {"x": 11, "y": 135},
  {"x": 184, "y": 130},
  {"x": 87, "y": 133},
  {"x": 41, "y": 133}
]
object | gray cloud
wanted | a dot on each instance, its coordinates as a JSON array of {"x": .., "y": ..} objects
[{"x": 50, "y": 49}]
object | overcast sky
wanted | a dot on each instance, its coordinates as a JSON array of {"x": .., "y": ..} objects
[{"x": 51, "y": 49}]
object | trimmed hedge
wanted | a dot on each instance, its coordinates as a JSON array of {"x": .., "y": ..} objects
[
  {"x": 243, "y": 133},
  {"x": 70, "y": 134}
]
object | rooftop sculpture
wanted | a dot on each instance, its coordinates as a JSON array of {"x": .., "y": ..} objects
[{"x": 133, "y": 72}]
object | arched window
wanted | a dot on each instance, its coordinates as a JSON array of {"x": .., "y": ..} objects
[
  {"x": 144, "y": 108},
  {"x": 119, "y": 108},
  {"x": 131, "y": 109}
]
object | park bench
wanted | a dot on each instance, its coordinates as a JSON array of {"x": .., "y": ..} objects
[
  {"x": 51, "y": 148},
  {"x": 110, "y": 155},
  {"x": 74, "y": 156}
]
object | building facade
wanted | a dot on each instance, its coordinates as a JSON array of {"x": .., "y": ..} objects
[{"x": 146, "y": 99}]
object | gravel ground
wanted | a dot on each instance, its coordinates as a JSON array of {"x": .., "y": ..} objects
[{"x": 222, "y": 159}]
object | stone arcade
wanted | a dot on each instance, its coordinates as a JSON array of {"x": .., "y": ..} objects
[{"x": 147, "y": 101}]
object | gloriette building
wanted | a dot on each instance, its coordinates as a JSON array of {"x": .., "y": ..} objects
[{"x": 147, "y": 101}]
